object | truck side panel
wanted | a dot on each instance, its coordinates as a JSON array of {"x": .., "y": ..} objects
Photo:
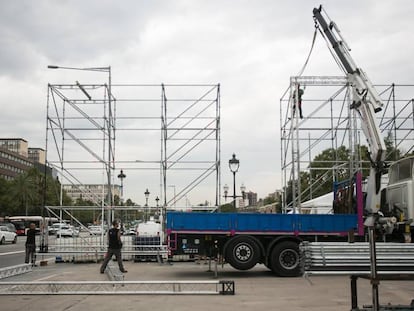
[{"x": 235, "y": 223}]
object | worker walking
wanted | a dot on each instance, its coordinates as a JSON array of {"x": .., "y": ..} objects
[
  {"x": 300, "y": 93},
  {"x": 114, "y": 247},
  {"x": 31, "y": 244}
]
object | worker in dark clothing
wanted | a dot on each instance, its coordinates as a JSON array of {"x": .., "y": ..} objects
[
  {"x": 31, "y": 244},
  {"x": 300, "y": 93},
  {"x": 114, "y": 247}
]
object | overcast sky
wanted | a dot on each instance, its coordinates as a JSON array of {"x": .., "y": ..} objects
[{"x": 250, "y": 47}]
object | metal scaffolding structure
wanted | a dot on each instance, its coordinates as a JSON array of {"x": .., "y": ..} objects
[
  {"x": 189, "y": 125},
  {"x": 82, "y": 140},
  {"x": 329, "y": 123},
  {"x": 170, "y": 128}
]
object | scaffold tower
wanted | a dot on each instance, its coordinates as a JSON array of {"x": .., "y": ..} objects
[
  {"x": 165, "y": 134},
  {"x": 328, "y": 122}
]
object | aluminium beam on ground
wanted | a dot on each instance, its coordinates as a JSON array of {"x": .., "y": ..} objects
[
  {"x": 10, "y": 271},
  {"x": 217, "y": 287}
]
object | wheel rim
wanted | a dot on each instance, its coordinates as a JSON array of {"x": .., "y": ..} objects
[
  {"x": 289, "y": 259},
  {"x": 242, "y": 252}
]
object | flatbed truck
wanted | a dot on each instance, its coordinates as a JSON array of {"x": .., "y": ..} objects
[{"x": 246, "y": 239}]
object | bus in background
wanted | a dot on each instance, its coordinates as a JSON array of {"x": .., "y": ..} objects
[{"x": 22, "y": 223}]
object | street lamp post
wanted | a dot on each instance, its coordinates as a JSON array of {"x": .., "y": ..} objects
[
  {"x": 234, "y": 164},
  {"x": 121, "y": 176},
  {"x": 146, "y": 193},
  {"x": 243, "y": 191},
  {"x": 157, "y": 199},
  {"x": 226, "y": 191}
]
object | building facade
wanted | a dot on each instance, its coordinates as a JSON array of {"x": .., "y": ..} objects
[
  {"x": 252, "y": 198},
  {"x": 37, "y": 155},
  {"x": 13, "y": 164},
  {"x": 90, "y": 192},
  {"x": 16, "y": 158},
  {"x": 16, "y": 145}
]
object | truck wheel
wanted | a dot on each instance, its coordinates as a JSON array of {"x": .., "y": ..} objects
[
  {"x": 285, "y": 259},
  {"x": 242, "y": 253}
]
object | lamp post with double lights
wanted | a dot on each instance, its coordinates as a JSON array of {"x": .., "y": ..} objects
[{"x": 242, "y": 189}]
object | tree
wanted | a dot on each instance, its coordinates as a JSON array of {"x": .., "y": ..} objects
[
  {"x": 393, "y": 154},
  {"x": 29, "y": 192},
  {"x": 117, "y": 200},
  {"x": 7, "y": 205},
  {"x": 269, "y": 200},
  {"x": 228, "y": 208},
  {"x": 304, "y": 187},
  {"x": 23, "y": 193},
  {"x": 129, "y": 202}
]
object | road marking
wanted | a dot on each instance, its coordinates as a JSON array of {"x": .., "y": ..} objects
[{"x": 11, "y": 253}]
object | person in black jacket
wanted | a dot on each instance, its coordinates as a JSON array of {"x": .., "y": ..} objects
[
  {"x": 114, "y": 247},
  {"x": 31, "y": 244},
  {"x": 300, "y": 94}
]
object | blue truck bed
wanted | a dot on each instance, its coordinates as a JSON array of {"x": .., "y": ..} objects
[{"x": 242, "y": 223}]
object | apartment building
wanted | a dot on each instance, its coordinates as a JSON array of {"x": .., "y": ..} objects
[{"x": 90, "y": 192}]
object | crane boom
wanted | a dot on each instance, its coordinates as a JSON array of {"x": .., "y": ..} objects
[{"x": 366, "y": 101}]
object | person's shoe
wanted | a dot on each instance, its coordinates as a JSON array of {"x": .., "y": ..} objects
[
  {"x": 124, "y": 271},
  {"x": 102, "y": 272}
]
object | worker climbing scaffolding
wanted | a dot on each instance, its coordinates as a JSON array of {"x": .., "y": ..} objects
[{"x": 298, "y": 103}]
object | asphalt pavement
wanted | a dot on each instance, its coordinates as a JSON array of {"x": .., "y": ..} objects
[
  {"x": 12, "y": 254},
  {"x": 256, "y": 289}
]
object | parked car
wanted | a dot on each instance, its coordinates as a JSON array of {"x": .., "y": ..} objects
[
  {"x": 7, "y": 236},
  {"x": 67, "y": 231},
  {"x": 9, "y": 226},
  {"x": 131, "y": 231},
  {"x": 53, "y": 229},
  {"x": 95, "y": 230}
]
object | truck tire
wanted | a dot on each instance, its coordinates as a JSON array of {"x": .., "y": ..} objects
[
  {"x": 242, "y": 253},
  {"x": 285, "y": 259}
]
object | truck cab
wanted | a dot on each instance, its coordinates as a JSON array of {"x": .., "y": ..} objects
[{"x": 400, "y": 189}]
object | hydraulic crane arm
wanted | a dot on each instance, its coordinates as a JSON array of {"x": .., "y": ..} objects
[{"x": 366, "y": 101}]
